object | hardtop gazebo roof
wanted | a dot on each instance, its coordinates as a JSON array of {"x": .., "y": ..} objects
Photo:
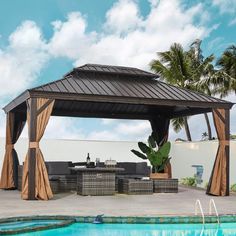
[{"x": 117, "y": 92}]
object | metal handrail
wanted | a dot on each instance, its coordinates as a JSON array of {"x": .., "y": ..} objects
[
  {"x": 199, "y": 205},
  {"x": 212, "y": 203}
]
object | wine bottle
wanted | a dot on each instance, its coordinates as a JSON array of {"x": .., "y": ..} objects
[{"x": 88, "y": 160}]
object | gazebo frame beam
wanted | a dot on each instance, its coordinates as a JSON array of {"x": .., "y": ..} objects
[
  {"x": 32, "y": 151},
  {"x": 227, "y": 150}
]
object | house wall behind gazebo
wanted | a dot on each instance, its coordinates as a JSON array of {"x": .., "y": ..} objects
[{"x": 183, "y": 154}]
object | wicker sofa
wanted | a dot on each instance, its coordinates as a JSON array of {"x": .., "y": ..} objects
[
  {"x": 132, "y": 170},
  {"x": 62, "y": 179}
]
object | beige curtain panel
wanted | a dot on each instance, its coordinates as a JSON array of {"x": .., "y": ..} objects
[
  {"x": 7, "y": 180},
  {"x": 9, "y": 174},
  {"x": 42, "y": 186},
  {"x": 219, "y": 177}
]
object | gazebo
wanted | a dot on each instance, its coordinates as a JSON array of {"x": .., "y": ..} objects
[{"x": 106, "y": 92}]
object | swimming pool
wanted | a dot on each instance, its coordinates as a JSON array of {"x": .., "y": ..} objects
[
  {"x": 88, "y": 229},
  {"x": 60, "y": 225}
]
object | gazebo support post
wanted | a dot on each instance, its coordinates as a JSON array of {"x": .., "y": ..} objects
[
  {"x": 227, "y": 150},
  {"x": 219, "y": 184},
  {"x": 160, "y": 125},
  {"x": 32, "y": 151}
]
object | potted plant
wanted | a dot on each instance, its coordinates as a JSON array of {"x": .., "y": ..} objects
[{"x": 157, "y": 155}]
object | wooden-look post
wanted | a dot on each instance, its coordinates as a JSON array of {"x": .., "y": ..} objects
[
  {"x": 32, "y": 151},
  {"x": 227, "y": 150}
]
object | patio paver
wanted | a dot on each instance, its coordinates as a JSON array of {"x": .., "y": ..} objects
[{"x": 181, "y": 203}]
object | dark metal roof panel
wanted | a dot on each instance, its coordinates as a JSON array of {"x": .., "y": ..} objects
[
  {"x": 119, "y": 70},
  {"x": 108, "y": 84},
  {"x": 93, "y": 82}
]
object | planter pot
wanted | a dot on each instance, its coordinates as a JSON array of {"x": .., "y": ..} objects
[{"x": 159, "y": 176}]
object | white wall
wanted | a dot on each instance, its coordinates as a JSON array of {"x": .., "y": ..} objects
[{"x": 183, "y": 154}]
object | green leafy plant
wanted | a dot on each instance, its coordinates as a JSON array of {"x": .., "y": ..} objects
[
  {"x": 189, "y": 181},
  {"x": 233, "y": 187},
  {"x": 232, "y": 136},
  {"x": 157, "y": 155}
]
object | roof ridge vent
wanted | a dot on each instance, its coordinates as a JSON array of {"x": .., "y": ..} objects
[{"x": 118, "y": 70}]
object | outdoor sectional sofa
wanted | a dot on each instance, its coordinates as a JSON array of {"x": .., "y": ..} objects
[{"x": 63, "y": 179}]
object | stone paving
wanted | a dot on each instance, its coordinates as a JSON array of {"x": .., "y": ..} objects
[{"x": 180, "y": 204}]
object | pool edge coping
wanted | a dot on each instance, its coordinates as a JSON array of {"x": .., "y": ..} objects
[{"x": 69, "y": 219}]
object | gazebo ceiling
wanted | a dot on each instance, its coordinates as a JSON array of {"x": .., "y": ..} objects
[{"x": 117, "y": 92}]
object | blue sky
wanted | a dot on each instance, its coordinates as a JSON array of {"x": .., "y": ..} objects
[{"x": 42, "y": 40}]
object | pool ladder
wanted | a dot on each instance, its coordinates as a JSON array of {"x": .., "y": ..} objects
[
  {"x": 198, "y": 205},
  {"x": 212, "y": 206}
]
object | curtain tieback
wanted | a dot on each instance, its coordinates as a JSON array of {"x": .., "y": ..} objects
[
  {"x": 34, "y": 145},
  {"x": 224, "y": 142},
  {"x": 10, "y": 146}
]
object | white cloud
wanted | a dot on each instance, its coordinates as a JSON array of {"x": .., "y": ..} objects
[
  {"x": 69, "y": 38},
  {"x": 128, "y": 38},
  {"x": 226, "y": 6},
  {"x": 232, "y": 22},
  {"x": 123, "y": 17},
  {"x": 123, "y": 130},
  {"x": 22, "y": 60},
  {"x": 134, "y": 128},
  {"x": 108, "y": 121},
  {"x": 62, "y": 128},
  {"x": 216, "y": 44}
]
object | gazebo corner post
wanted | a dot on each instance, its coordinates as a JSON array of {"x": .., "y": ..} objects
[
  {"x": 219, "y": 183},
  {"x": 227, "y": 150},
  {"x": 160, "y": 125},
  {"x": 35, "y": 181},
  {"x": 32, "y": 150}
]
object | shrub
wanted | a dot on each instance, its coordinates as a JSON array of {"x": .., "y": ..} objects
[
  {"x": 233, "y": 187},
  {"x": 189, "y": 181}
]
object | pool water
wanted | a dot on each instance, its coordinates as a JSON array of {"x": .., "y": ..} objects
[
  {"x": 27, "y": 224},
  {"x": 86, "y": 229}
]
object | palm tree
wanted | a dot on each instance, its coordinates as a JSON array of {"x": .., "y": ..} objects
[
  {"x": 227, "y": 61},
  {"x": 205, "y": 136},
  {"x": 179, "y": 123},
  {"x": 174, "y": 68},
  {"x": 227, "y": 72},
  {"x": 203, "y": 74},
  {"x": 187, "y": 69}
]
